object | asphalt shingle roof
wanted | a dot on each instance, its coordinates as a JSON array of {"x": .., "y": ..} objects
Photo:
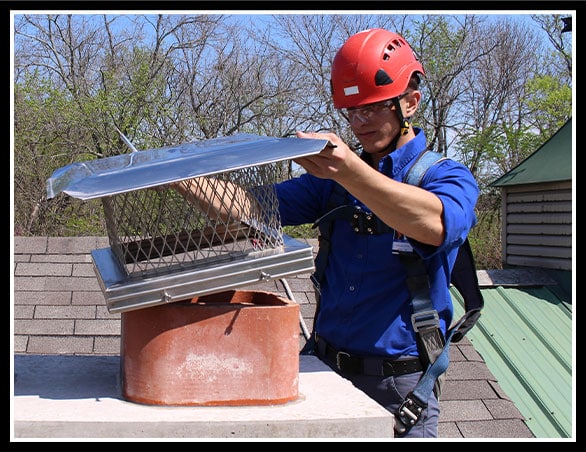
[{"x": 59, "y": 309}]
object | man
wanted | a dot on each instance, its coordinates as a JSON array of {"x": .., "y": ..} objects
[
  {"x": 365, "y": 305},
  {"x": 364, "y": 326}
]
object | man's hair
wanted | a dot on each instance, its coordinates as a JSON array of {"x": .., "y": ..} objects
[{"x": 414, "y": 82}]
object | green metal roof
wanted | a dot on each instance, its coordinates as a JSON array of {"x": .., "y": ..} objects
[
  {"x": 525, "y": 337},
  {"x": 552, "y": 162}
]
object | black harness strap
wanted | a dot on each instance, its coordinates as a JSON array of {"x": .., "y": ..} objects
[
  {"x": 465, "y": 280},
  {"x": 337, "y": 208}
]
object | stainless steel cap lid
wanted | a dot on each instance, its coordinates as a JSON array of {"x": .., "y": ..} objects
[{"x": 153, "y": 167}]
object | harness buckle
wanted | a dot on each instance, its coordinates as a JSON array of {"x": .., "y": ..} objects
[
  {"x": 424, "y": 319},
  {"x": 316, "y": 283},
  {"x": 342, "y": 359},
  {"x": 364, "y": 222},
  {"x": 409, "y": 413}
]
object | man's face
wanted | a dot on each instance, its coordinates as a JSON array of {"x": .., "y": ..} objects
[{"x": 375, "y": 125}]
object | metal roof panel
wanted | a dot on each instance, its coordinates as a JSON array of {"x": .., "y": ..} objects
[
  {"x": 552, "y": 162},
  {"x": 525, "y": 337}
]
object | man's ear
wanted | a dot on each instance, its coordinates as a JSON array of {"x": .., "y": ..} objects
[{"x": 411, "y": 103}]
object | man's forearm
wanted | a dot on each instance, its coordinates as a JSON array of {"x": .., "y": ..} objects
[{"x": 218, "y": 199}]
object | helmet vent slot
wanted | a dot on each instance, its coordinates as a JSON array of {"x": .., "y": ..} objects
[{"x": 381, "y": 78}]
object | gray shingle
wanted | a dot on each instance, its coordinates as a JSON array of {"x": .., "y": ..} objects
[
  {"x": 467, "y": 390},
  {"x": 57, "y": 345},
  {"x": 514, "y": 428},
  {"x": 464, "y": 410},
  {"x": 503, "y": 409},
  {"x": 75, "y": 320}
]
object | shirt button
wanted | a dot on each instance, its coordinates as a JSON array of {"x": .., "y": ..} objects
[{"x": 351, "y": 288}]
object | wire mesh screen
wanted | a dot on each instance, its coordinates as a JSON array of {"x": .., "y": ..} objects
[
  {"x": 167, "y": 228},
  {"x": 190, "y": 219}
]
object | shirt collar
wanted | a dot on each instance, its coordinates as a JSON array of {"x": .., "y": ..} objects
[{"x": 397, "y": 160}]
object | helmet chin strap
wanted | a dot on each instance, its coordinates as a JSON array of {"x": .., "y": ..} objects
[{"x": 405, "y": 125}]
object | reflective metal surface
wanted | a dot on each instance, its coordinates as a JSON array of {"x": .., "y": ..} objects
[
  {"x": 153, "y": 167},
  {"x": 126, "y": 294},
  {"x": 165, "y": 247}
]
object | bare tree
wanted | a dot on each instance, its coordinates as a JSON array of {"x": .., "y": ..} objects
[
  {"x": 100, "y": 77},
  {"x": 561, "y": 44},
  {"x": 493, "y": 92},
  {"x": 491, "y": 89}
]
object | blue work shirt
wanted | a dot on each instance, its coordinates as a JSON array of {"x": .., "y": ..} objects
[{"x": 365, "y": 304}]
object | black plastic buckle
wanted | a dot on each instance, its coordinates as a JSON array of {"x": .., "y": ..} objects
[
  {"x": 316, "y": 284},
  {"x": 409, "y": 413},
  {"x": 348, "y": 363},
  {"x": 364, "y": 222},
  {"x": 342, "y": 360}
]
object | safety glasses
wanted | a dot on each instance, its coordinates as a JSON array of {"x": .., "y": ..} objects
[{"x": 367, "y": 112}]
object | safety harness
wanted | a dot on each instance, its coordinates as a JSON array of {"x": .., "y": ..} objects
[{"x": 433, "y": 347}]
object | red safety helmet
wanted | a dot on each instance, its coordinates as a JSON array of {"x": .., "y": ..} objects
[{"x": 372, "y": 65}]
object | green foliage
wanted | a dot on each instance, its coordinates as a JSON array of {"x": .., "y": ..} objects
[
  {"x": 551, "y": 102},
  {"x": 485, "y": 237},
  {"x": 43, "y": 133},
  {"x": 490, "y": 98},
  {"x": 304, "y": 231},
  {"x": 83, "y": 220},
  {"x": 69, "y": 217}
]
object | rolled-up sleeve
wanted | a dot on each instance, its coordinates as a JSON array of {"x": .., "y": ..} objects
[{"x": 458, "y": 191}]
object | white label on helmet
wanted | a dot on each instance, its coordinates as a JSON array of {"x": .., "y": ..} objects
[{"x": 351, "y": 90}]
